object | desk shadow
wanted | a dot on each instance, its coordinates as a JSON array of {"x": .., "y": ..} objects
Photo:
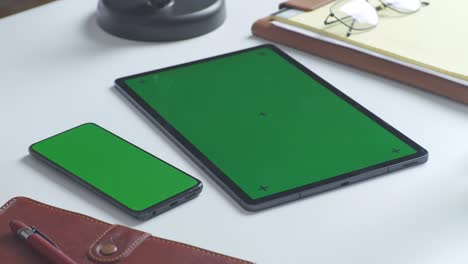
[
  {"x": 180, "y": 153},
  {"x": 82, "y": 193},
  {"x": 103, "y": 39},
  {"x": 441, "y": 101}
]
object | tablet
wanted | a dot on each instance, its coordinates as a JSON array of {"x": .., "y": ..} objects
[{"x": 267, "y": 129}]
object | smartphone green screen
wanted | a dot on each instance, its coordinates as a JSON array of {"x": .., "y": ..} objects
[
  {"x": 265, "y": 123},
  {"x": 117, "y": 168}
]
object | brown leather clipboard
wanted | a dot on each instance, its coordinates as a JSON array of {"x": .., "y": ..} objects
[
  {"x": 10, "y": 7},
  {"x": 82, "y": 239},
  {"x": 437, "y": 85}
]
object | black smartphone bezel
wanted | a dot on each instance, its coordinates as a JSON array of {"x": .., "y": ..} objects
[
  {"x": 144, "y": 214},
  {"x": 235, "y": 191}
]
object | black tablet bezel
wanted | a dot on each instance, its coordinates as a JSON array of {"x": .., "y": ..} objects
[{"x": 235, "y": 191}]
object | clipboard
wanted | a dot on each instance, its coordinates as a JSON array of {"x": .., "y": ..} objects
[
  {"x": 10, "y": 7},
  {"x": 264, "y": 28}
]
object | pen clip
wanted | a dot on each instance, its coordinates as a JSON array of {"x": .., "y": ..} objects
[{"x": 36, "y": 231}]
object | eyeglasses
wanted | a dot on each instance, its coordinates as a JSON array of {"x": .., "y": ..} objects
[{"x": 362, "y": 15}]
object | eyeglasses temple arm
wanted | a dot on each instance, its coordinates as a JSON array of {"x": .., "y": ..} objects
[
  {"x": 351, "y": 28},
  {"x": 327, "y": 22}
]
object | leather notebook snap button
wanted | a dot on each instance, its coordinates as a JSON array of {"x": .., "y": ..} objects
[
  {"x": 108, "y": 249},
  {"x": 116, "y": 244}
]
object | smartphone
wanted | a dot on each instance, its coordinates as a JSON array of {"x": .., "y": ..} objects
[{"x": 127, "y": 176}]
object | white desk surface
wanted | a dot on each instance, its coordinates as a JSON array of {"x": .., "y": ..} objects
[{"x": 57, "y": 70}]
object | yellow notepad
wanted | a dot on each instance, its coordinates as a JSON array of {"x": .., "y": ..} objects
[{"x": 436, "y": 37}]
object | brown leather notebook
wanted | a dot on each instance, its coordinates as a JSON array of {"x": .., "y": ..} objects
[
  {"x": 10, "y": 7},
  {"x": 265, "y": 29},
  {"x": 82, "y": 237}
]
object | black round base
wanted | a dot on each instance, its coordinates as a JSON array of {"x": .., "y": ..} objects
[{"x": 160, "y": 20}]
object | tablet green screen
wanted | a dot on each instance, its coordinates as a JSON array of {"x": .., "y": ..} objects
[
  {"x": 115, "y": 167},
  {"x": 266, "y": 124}
]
